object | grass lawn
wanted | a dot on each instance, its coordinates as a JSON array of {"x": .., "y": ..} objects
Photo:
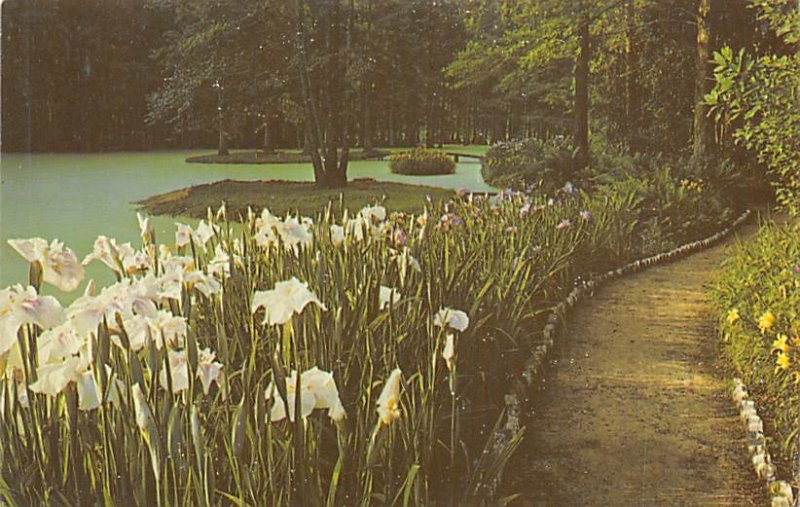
[
  {"x": 277, "y": 157},
  {"x": 282, "y": 196}
]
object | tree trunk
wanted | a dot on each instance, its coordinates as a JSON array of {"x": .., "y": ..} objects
[
  {"x": 581, "y": 108},
  {"x": 366, "y": 122},
  {"x": 366, "y": 89},
  {"x": 632, "y": 94},
  {"x": 701, "y": 134},
  {"x": 300, "y": 138},
  {"x": 313, "y": 130},
  {"x": 222, "y": 146},
  {"x": 392, "y": 134},
  {"x": 509, "y": 121},
  {"x": 267, "y": 147}
]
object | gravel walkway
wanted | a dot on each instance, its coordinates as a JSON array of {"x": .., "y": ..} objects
[{"x": 636, "y": 412}]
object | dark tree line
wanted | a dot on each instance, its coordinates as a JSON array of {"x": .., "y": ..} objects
[
  {"x": 329, "y": 75},
  {"x": 76, "y": 74},
  {"x": 135, "y": 74}
]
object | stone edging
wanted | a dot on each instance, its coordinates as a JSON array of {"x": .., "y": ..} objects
[
  {"x": 556, "y": 320},
  {"x": 780, "y": 491}
]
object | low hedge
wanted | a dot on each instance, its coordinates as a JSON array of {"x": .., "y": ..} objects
[
  {"x": 758, "y": 301},
  {"x": 422, "y": 162}
]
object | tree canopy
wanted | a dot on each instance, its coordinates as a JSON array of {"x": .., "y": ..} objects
[{"x": 328, "y": 75}]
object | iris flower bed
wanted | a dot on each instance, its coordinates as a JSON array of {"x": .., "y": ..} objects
[
  {"x": 758, "y": 298},
  {"x": 288, "y": 360}
]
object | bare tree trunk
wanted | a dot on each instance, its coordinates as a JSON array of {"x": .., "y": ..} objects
[
  {"x": 345, "y": 101},
  {"x": 366, "y": 122},
  {"x": 701, "y": 134},
  {"x": 392, "y": 132},
  {"x": 267, "y": 146},
  {"x": 313, "y": 130},
  {"x": 632, "y": 97},
  {"x": 366, "y": 89},
  {"x": 581, "y": 108},
  {"x": 338, "y": 104},
  {"x": 509, "y": 120},
  {"x": 222, "y": 146},
  {"x": 300, "y": 137}
]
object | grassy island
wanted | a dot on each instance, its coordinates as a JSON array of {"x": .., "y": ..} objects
[{"x": 293, "y": 196}]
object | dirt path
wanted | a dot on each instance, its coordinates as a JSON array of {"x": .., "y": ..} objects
[{"x": 635, "y": 411}]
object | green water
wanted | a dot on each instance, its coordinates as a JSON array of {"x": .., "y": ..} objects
[{"x": 75, "y": 198}]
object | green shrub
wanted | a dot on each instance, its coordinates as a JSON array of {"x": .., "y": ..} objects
[
  {"x": 614, "y": 161},
  {"x": 653, "y": 214},
  {"x": 755, "y": 98},
  {"x": 422, "y": 162},
  {"x": 757, "y": 298},
  {"x": 518, "y": 164}
]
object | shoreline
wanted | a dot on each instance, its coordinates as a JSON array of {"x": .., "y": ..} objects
[{"x": 282, "y": 196}]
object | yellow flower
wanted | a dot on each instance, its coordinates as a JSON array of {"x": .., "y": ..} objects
[
  {"x": 781, "y": 344},
  {"x": 783, "y": 361},
  {"x": 766, "y": 322},
  {"x": 733, "y": 316}
]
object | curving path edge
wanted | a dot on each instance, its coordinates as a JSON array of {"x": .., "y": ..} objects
[{"x": 636, "y": 410}]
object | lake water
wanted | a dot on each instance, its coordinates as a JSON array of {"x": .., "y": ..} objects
[{"x": 76, "y": 197}]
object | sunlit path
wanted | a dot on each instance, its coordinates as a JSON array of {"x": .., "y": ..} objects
[{"x": 635, "y": 411}]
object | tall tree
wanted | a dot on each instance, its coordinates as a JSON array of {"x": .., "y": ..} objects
[
  {"x": 224, "y": 68},
  {"x": 536, "y": 35},
  {"x": 632, "y": 107},
  {"x": 326, "y": 96},
  {"x": 702, "y": 133},
  {"x": 581, "y": 104}
]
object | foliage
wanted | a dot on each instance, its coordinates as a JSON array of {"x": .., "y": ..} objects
[
  {"x": 142, "y": 74},
  {"x": 518, "y": 164},
  {"x": 422, "y": 161},
  {"x": 352, "y": 58},
  {"x": 517, "y": 62},
  {"x": 76, "y": 74},
  {"x": 673, "y": 196},
  {"x": 757, "y": 299},
  {"x": 521, "y": 53},
  {"x": 672, "y": 202},
  {"x": 215, "y": 70},
  {"x": 756, "y": 99},
  {"x": 644, "y": 70},
  {"x": 101, "y": 402}
]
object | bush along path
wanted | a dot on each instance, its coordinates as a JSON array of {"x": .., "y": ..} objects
[{"x": 634, "y": 410}]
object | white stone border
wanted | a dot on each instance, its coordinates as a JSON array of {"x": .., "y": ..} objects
[
  {"x": 556, "y": 320},
  {"x": 781, "y": 492}
]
